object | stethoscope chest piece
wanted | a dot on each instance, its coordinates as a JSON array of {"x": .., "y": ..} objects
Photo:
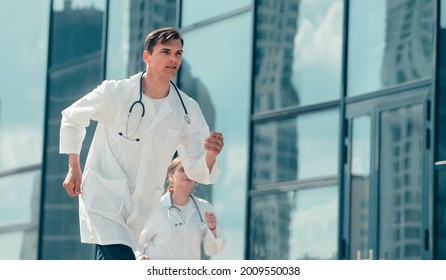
[
  {"x": 187, "y": 119},
  {"x": 203, "y": 228}
]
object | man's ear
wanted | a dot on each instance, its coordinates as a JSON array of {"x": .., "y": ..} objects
[{"x": 146, "y": 56}]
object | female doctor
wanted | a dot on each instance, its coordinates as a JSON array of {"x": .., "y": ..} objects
[
  {"x": 141, "y": 122},
  {"x": 180, "y": 223}
]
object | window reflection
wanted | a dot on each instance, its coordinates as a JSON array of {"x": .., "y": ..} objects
[
  {"x": 298, "y": 44},
  {"x": 400, "y": 192},
  {"x": 299, "y": 224},
  {"x": 22, "y": 103},
  {"x": 60, "y": 5},
  {"x": 118, "y": 40},
  {"x": 73, "y": 42},
  {"x": 294, "y": 149},
  {"x": 401, "y": 54},
  {"x": 19, "y": 198},
  {"x": 20, "y": 245},
  {"x": 360, "y": 188},
  {"x": 75, "y": 68}
]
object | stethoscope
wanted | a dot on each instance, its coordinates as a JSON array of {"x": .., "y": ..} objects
[
  {"x": 139, "y": 102},
  {"x": 203, "y": 226}
]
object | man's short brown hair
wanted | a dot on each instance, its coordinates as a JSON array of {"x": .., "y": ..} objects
[{"x": 162, "y": 35}]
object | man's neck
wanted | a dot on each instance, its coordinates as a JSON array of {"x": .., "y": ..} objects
[{"x": 155, "y": 88}]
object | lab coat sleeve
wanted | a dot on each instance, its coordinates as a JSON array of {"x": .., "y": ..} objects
[
  {"x": 96, "y": 105},
  {"x": 191, "y": 149},
  {"x": 214, "y": 245}
]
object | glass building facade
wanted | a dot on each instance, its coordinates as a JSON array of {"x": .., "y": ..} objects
[{"x": 331, "y": 111}]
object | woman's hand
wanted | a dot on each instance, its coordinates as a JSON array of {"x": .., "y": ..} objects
[{"x": 211, "y": 220}]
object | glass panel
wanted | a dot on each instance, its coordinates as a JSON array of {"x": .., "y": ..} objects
[
  {"x": 223, "y": 93},
  {"x": 298, "y": 45},
  {"x": 300, "y": 224},
  {"x": 389, "y": 42},
  {"x": 441, "y": 132},
  {"x": 20, "y": 245},
  {"x": 20, "y": 198},
  {"x": 76, "y": 67},
  {"x": 130, "y": 21},
  {"x": 360, "y": 188},
  {"x": 194, "y": 11},
  {"x": 118, "y": 40},
  {"x": 73, "y": 43},
  {"x": 22, "y": 99},
  {"x": 440, "y": 210},
  {"x": 400, "y": 196},
  {"x": 295, "y": 149}
]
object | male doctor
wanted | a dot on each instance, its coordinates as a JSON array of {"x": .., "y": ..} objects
[{"x": 141, "y": 122}]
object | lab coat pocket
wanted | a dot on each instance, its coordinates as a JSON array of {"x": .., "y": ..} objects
[
  {"x": 171, "y": 141},
  {"x": 103, "y": 195}
]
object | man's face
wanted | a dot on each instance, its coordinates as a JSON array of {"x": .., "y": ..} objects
[{"x": 165, "y": 59}]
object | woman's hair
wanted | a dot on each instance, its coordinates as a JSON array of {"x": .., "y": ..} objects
[{"x": 162, "y": 35}]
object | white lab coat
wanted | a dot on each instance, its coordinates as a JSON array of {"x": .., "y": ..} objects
[
  {"x": 123, "y": 180},
  {"x": 161, "y": 240}
]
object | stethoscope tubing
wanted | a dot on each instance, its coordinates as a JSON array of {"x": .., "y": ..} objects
[
  {"x": 196, "y": 206},
  {"x": 186, "y": 114},
  {"x": 139, "y": 102}
]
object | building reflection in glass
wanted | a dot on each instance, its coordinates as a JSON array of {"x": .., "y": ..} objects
[
  {"x": 298, "y": 224},
  {"x": 401, "y": 54},
  {"x": 280, "y": 156},
  {"x": 275, "y": 29},
  {"x": 360, "y": 188},
  {"x": 281, "y": 79},
  {"x": 75, "y": 68},
  {"x": 408, "y": 44},
  {"x": 275, "y": 153},
  {"x": 298, "y": 45},
  {"x": 400, "y": 196}
]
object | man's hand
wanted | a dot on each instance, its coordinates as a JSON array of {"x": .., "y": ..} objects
[
  {"x": 213, "y": 145},
  {"x": 72, "y": 183}
]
